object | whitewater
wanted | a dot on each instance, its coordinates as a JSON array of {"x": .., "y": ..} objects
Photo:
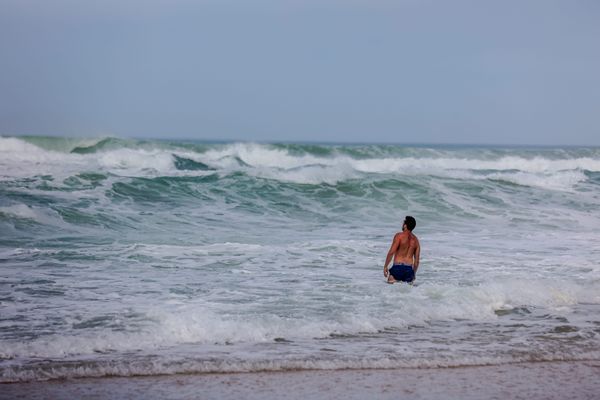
[{"x": 122, "y": 257}]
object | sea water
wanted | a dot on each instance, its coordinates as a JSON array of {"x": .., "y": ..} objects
[{"x": 130, "y": 257}]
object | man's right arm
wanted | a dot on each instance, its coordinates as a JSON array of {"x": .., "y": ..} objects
[{"x": 417, "y": 257}]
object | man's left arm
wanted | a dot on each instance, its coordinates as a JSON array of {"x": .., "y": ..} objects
[{"x": 390, "y": 254}]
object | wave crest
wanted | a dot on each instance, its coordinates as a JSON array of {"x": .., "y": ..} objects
[{"x": 310, "y": 164}]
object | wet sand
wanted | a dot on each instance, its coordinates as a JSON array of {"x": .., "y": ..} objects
[{"x": 543, "y": 380}]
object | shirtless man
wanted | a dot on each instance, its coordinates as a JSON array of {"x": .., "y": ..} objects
[{"x": 405, "y": 250}]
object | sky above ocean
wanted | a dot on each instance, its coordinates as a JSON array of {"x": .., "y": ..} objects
[{"x": 330, "y": 70}]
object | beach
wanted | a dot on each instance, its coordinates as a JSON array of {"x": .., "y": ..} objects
[{"x": 546, "y": 380}]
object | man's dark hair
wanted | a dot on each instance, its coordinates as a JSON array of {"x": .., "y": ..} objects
[{"x": 410, "y": 222}]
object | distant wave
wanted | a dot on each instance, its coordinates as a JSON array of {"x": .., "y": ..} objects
[
  {"x": 100, "y": 145},
  {"x": 554, "y": 169}
]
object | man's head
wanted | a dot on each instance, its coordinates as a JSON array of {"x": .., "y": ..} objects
[{"x": 409, "y": 222}]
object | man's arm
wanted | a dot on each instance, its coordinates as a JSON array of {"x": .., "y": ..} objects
[
  {"x": 391, "y": 252},
  {"x": 417, "y": 257}
]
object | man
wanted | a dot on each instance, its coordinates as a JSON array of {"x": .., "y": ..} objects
[{"x": 405, "y": 250}]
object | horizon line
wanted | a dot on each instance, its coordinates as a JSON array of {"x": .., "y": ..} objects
[{"x": 299, "y": 141}]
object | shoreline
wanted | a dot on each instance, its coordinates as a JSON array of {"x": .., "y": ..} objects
[{"x": 531, "y": 380}]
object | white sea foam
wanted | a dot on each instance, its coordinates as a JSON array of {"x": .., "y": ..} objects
[
  {"x": 208, "y": 323},
  {"x": 257, "y": 155},
  {"x": 561, "y": 180},
  {"x": 266, "y": 162},
  {"x": 412, "y": 165},
  {"x": 173, "y": 365},
  {"x": 20, "y": 211},
  {"x": 38, "y": 215},
  {"x": 21, "y": 159},
  {"x": 263, "y": 156},
  {"x": 273, "y": 163},
  {"x": 9, "y": 145},
  {"x": 136, "y": 162}
]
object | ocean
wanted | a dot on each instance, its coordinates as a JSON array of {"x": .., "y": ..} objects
[{"x": 123, "y": 257}]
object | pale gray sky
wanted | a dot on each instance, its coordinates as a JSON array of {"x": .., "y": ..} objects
[{"x": 502, "y": 72}]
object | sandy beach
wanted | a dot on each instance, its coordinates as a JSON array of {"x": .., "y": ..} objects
[{"x": 544, "y": 380}]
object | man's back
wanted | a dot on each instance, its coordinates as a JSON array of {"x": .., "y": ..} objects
[{"x": 408, "y": 244}]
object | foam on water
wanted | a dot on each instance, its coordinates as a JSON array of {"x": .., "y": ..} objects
[
  {"x": 34, "y": 214},
  {"x": 127, "y": 257},
  {"x": 21, "y": 211},
  {"x": 136, "y": 161},
  {"x": 25, "y": 159},
  {"x": 176, "y": 320},
  {"x": 170, "y": 366}
]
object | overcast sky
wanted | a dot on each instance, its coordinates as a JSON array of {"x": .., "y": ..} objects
[{"x": 488, "y": 72}]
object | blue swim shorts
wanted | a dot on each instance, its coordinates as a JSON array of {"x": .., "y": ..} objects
[{"x": 403, "y": 272}]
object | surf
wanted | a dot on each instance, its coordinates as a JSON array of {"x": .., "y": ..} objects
[{"x": 230, "y": 256}]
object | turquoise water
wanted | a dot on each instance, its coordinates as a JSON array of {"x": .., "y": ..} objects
[{"x": 130, "y": 257}]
